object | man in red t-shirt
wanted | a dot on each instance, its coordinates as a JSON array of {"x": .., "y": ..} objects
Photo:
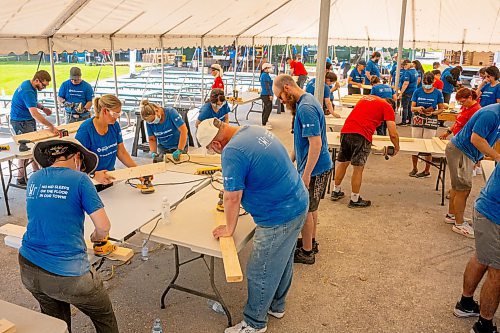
[
  {"x": 297, "y": 69},
  {"x": 356, "y": 142}
]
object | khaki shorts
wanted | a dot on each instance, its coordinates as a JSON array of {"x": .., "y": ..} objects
[
  {"x": 423, "y": 133},
  {"x": 487, "y": 238},
  {"x": 460, "y": 167}
]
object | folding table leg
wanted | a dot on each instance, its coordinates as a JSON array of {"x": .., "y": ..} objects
[{"x": 5, "y": 190}]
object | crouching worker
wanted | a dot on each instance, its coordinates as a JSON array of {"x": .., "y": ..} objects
[
  {"x": 167, "y": 131},
  {"x": 53, "y": 256}
]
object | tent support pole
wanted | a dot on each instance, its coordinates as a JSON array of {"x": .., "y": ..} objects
[
  {"x": 162, "y": 73},
  {"x": 270, "y": 55},
  {"x": 202, "y": 70},
  {"x": 400, "y": 42},
  {"x": 324, "y": 23},
  {"x": 253, "y": 62},
  {"x": 235, "y": 63},
  {"x": 54, "y": 84},
  {"x": 114, "y": 65}
]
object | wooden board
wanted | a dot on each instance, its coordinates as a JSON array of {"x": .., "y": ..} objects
[
  {"x": 440, "y": 143},
  {"x": 46, "y": 134},
  {"x": 121, "y": 253},
  {"x": 488, "y": 168},
  {"x": 387, "y": 138},
  {"x": 232, "y": 266},
  {"x": 428, "y": 146},
  {"x": 7, "y": 327},
  {"x": 198, "y": 158},
  {"x": 138, "y": 171}
]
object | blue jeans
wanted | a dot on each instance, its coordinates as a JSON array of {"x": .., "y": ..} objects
[
  {"x": 406, "y": 103},
  {"x": 270, "y": 270},
  {"x": 23, "y": 126}
]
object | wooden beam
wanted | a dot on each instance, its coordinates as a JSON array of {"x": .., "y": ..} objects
[
  {"x": 232, "y": 266},
  {"x": 46, "y": 134},
  {"x": 138, "y": 171},
  {"x": 440, "y": 143},
  {"x": 7, "y": 327},
  {"x": 121, "y": 253},
  {"x": 196, "y": 158},
  {"x": 386, "y": 138}
]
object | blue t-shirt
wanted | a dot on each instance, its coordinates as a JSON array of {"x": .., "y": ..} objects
[
  {"x": 310, "y": 121},
  {"x": 411, "y": 76},
  {"x": 105, "y": 146},
  {"x": 382, "y": 91},
  {"x": 25, "y": 97},
  {"x": 56, "y": 202},
  {"x": 207, "y": 112},
  {"x": 357, "y": 76},
  {"x": 373, "y": 68},
  {"x": 79, "y": 93},
  {"x": 489, "y": 94},
  {"x": 256, "y": 162},
  {"x": 421, "y": 98},
  {"x": 310, "y": 87},
  {"x": 447, "y": 87},
  {"x": 266, "y": 84},
  {"x": 393, "y": 71},
  {"x": 421, "y": 77},
  {"x": 167, "y": 133},
  {"x": 402, "y": 74},
  {"x": 488, "y": 202},
  {"x": 485, "y": 123}
]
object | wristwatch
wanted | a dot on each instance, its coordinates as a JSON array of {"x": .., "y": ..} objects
[{"x": 448, "y": 131}]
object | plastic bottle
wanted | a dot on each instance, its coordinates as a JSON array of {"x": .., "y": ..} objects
[
  {"x": 165, "y": 211},
  {"x": 157, "y": 326},
  {"x": 216, "y": 306},
  {"x": 144, "y": 251}
]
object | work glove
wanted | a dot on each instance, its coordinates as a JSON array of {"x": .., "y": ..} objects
[{"x": 177, "y": 155}]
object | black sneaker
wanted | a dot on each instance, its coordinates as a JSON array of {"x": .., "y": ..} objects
[
  {"x": 21, "y": 181},
  {"x": 301, "y": 258},
  {"x": 462, "y": 312},
  {"x": 413, "y": 173},
  {"x": 337, "y": 195},
  {"x": 315, "y": 247},
  {"x": 402, "y": 124},
  {"x": 423, "y": 174},
  {"x": 477, "y": 328},
  {"x": 360, "y": 203}
]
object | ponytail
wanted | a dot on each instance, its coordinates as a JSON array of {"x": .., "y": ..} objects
[
  {"x": 105, "y": 101},
  {"x": 147, "y": 109},
  {"x": 466, "y": 93},
  {"x": 374, "y": 80}
]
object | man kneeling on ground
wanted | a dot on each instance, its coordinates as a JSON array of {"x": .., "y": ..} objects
[
  {"x": 259, "y": 175},
  {"x": 356, "y": 142},
  {"x": 53, "y": 256}
]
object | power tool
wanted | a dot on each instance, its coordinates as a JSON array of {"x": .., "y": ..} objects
[
  {"x": 220, "y": 204},
  {"x": 63, "y": 132},
  {"x": 388, "y": 151},
  {"x": 23, "y": 145},
  {"x": 4, "y": 147},
  {"x": 103, "y": 247},
  {"x": 146, "y": 185},
  {"x": 208, "y": 170}
]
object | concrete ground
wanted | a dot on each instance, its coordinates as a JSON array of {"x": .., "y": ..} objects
[{"x": 393, "y": 267}]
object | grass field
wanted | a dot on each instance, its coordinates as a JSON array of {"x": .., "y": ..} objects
[{"x": 13, "y": 73}]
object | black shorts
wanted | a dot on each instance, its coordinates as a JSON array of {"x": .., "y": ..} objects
[
  {"x": 354, "y": 148},
  {"x": 317, "y": 189}
]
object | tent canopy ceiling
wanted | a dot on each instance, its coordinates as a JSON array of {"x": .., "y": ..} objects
[{"x": 90, "y": 24}]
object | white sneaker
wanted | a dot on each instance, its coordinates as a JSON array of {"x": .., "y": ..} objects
[
  {"x": 269, "y": 127},
  {"x": 451, "y": 219},
  {"x": 278, "y": 315},
  {"x": 464, "y": 229},
  {"x": 243, "y": 327},
  {"x": 479, "y": 171}
]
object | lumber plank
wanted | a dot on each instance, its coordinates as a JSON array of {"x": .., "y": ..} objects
[
  {"x": 232, "y": 266},
  {"x": 121, "y": 253},
  {"x": 138, "y": 171},
  {"x": 7, "y": 327},
  {"x": 197, "y": 158},
  {"x": 46, "y": 134},
  {"x": 386, "y": 138},
  {"x": 440, "y": 143}
]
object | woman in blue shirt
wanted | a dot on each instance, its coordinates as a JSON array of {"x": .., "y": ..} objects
[
  {"x": 266, "y": 93},
  {"x": 426, "y": 105},
  {"x": 168, "y": 134},
  {"x": 490, "y": 92},
  {"x": 216, "y": 107},
  {"x": 53, "y": 258},
  {"x": 383, "y": 91},
  {"x": 420, "y": 70},
  {"x": 372, "y": 69},
  {"x": 102, "y": 135},
  {"x": 356, "y": 78}
]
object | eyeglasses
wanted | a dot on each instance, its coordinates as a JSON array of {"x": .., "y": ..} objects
[
  {"x": 461, "y": 101},
  {"x": 115, "y": 114},
  {"x": 44, "y": 85}
]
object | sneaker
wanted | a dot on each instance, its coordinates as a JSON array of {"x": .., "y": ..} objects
[
  {"x": 337, "y": 195},
  {"x": 243, "y": 327},
  {"x": 21, "y": 182},
  {"x": 464, "y": 229},
  {"x": 451, "y": 219},
  {"x": 461, "y": 312},
  {"x": 268, "y": 126},
  {"x": 402, "y": 124},
  {"x": 315, "y": 247},
  {"x": 413, "y": 173},
  {"x": 300, "y": 257},
  {"x": 423, "y": 174},
  {"x": 278, "y": 315},
  {"x": 477, "y": 328},
  {"x": 360, "y": 203}
]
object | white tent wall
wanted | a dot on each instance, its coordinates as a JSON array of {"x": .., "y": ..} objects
[{"x": 88, "y": 24}]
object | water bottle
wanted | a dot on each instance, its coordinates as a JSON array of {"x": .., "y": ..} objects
[
  {"x": 144, "y": 251},
  {"x": 216, "y": 306},
  {"x": 165, "y": 211},
  {"x": 157, "y": 326}
]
